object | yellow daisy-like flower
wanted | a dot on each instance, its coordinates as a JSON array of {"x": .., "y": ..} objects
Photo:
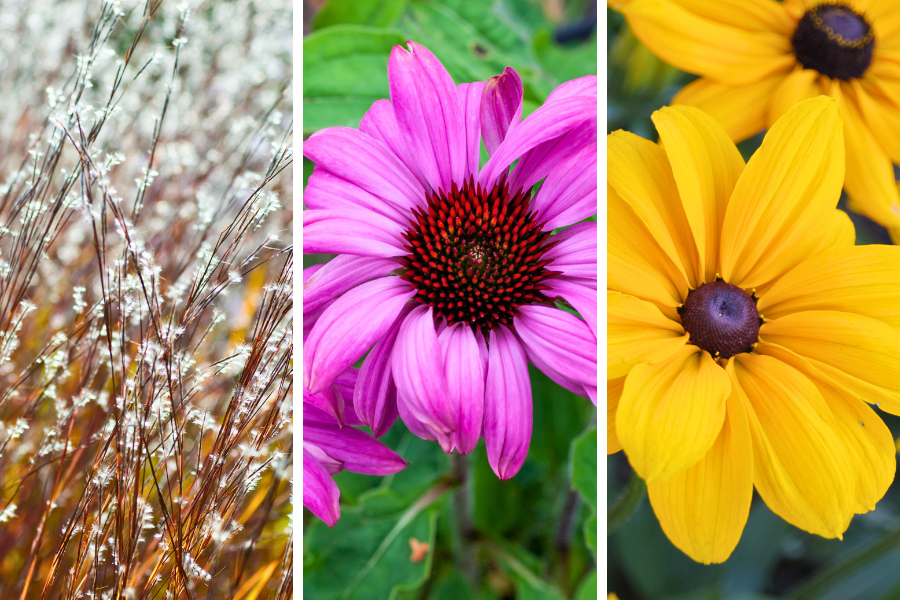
[
  {"x": 757, "y": 58},
  {"x": 746, "y": 332}
]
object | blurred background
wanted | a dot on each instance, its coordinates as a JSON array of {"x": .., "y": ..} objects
[
  {"x": 773, "y": 558},
  {"x": 534, "y": 536}
]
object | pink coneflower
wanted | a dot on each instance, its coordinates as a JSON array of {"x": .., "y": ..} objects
[
  {"x": 331, "y": 445},
  {"x": 452, "y": 273}
]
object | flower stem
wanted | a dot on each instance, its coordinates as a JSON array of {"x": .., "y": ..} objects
[
  {"x": 626, "y": 504},
  {"x": 831, "y": 574},
  {"x": 466, "y": 558}
]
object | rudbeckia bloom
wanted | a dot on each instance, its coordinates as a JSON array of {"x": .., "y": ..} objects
[
  {"x": 746, "y": 332},
  {"x": 451, "y": 272},
  {"x": 757, "y": 58},
  {"x": 330, "y": 445}
]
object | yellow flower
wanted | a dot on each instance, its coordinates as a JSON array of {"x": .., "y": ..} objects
[
  {"x": 745, "y": 331},
  {"x": 757, "y": 58}
]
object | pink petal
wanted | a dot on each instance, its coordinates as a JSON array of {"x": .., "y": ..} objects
[
  {"x": 428, "y": 114},
  {"x": 358, "y": 233},
  {"x": 375, "y": 395},
  {"x": 580, "y": 296},
  {"x": 327, "y": 191},
  {"x": 357, "y": 450},
  {"x": 320, "y": 493},
  {"x": 553, "y": 131},
  {"x": 545, "y": 157},
  {"x": 365, "y": 162},
  {"x": 470, "y": 101},
  {"x": 501, "y": 108},
  {"x": 591, "y": 391},
  {"x": 380, "y": 122},
  {"x": 418, "y": 370},
  {"x": 310, "y": 271},
  {"x": 507, "y": 404},
  {"x": 465, "y": 369},
  {"x": 342, "y": 273},
  {"x": 349, "y": 327},
  {"x": 583, "y": 86},
  {"x": 569, "y": 193},
  {"x": 559, "y": 339},
  {"x": 417, "y": 427},
  {"x": 554, "y": 375},
  {"x": 575, "y": 253},
  {"x": 329, "y": 401}
]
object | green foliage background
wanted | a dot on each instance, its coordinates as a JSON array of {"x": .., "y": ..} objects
[
  {"x": 773, "y": 558},
  {"x": 533, "y": 537}
]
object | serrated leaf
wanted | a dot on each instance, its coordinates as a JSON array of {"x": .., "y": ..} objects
[
  {"x": 367, "y": 554},
  {"x": 375, "y": 13}
]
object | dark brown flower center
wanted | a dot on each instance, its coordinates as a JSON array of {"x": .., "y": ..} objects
[
  {"x": 721, "y": 318},
  {"x": 476, "y": 255},
  {"x": 835, "y": 41}
]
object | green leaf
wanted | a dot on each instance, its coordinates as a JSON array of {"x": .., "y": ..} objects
[
  {"x": 529, "y": 585},
  {"x": 367, "y": 554},
  {"x": 344, "y": 73},
  {"x": 375, "y": 13},
  {"x": 565, "y": 62},
  {"x": 584, "y": 466},
  {"x": 588, "y": 588},
  {"x": 307, "y": 170},
  {"x": 590, "y": 533},
  {"x": 497, "y": 504},
  {"x": 464, "y": 50},
  {"x": 559, "y": 416}
]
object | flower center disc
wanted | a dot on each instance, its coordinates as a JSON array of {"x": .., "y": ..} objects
[
  {"x": 721, "y": 318},
  {"x": 835, "y": 41},
  {"x": 475, "y": 255}
]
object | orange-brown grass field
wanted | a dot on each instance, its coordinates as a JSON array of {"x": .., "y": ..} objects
[{"x": 145, "y": 299}]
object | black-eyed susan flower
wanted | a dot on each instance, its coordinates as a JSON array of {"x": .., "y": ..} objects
[
  {"x": 746, "y": 332},
  {"x": 757, "y": 58}
]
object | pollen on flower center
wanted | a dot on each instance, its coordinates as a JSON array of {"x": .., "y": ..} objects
[
  {"x": 835, "y": 41},
  {"x": 476, "y": 255},
  {"x": 721, "y": 318}
]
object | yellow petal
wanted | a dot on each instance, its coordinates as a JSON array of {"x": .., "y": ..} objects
[
  {"x": 790, "y": 186},
  {"x": 885, "y": 20},
  {"x": 739, "y": 109},
  {"x": 837, "y": 231},
  {"x": 640, "y": 173},
  {"x": 614, "y": 389},
  {"x": 882, "y": 116},
  {"x": 860, "y": 346},
  {"x": 706, "y": 164},
  {"x": 800, "y": 466},
  {"x": 670, "y": 413},
  {"x": 870, "y": 175},
  {"x": 866, "y": 437},
  {"x": 883, "y": 398},
  {"x": 637, "y": 332},
  {"x": 797, "y": 86},
  {"x": 704, "y": 508},
  {"x": 722, "y": 52},
  {"x": 864, "y": 280},
  {"x": 749, "y": 15},
  {"x": 635, "y": 263}
]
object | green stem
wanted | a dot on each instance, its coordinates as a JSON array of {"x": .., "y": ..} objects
[
  {"x": 626, "y": 504},
  {"x": 825, "y": 579}
]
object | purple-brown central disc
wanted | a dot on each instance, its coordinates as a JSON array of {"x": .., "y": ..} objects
[
  {"x": 476, "y": 255},
  {"x": 721, "y": 318},
  {"x": 835, "y": 41}
]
